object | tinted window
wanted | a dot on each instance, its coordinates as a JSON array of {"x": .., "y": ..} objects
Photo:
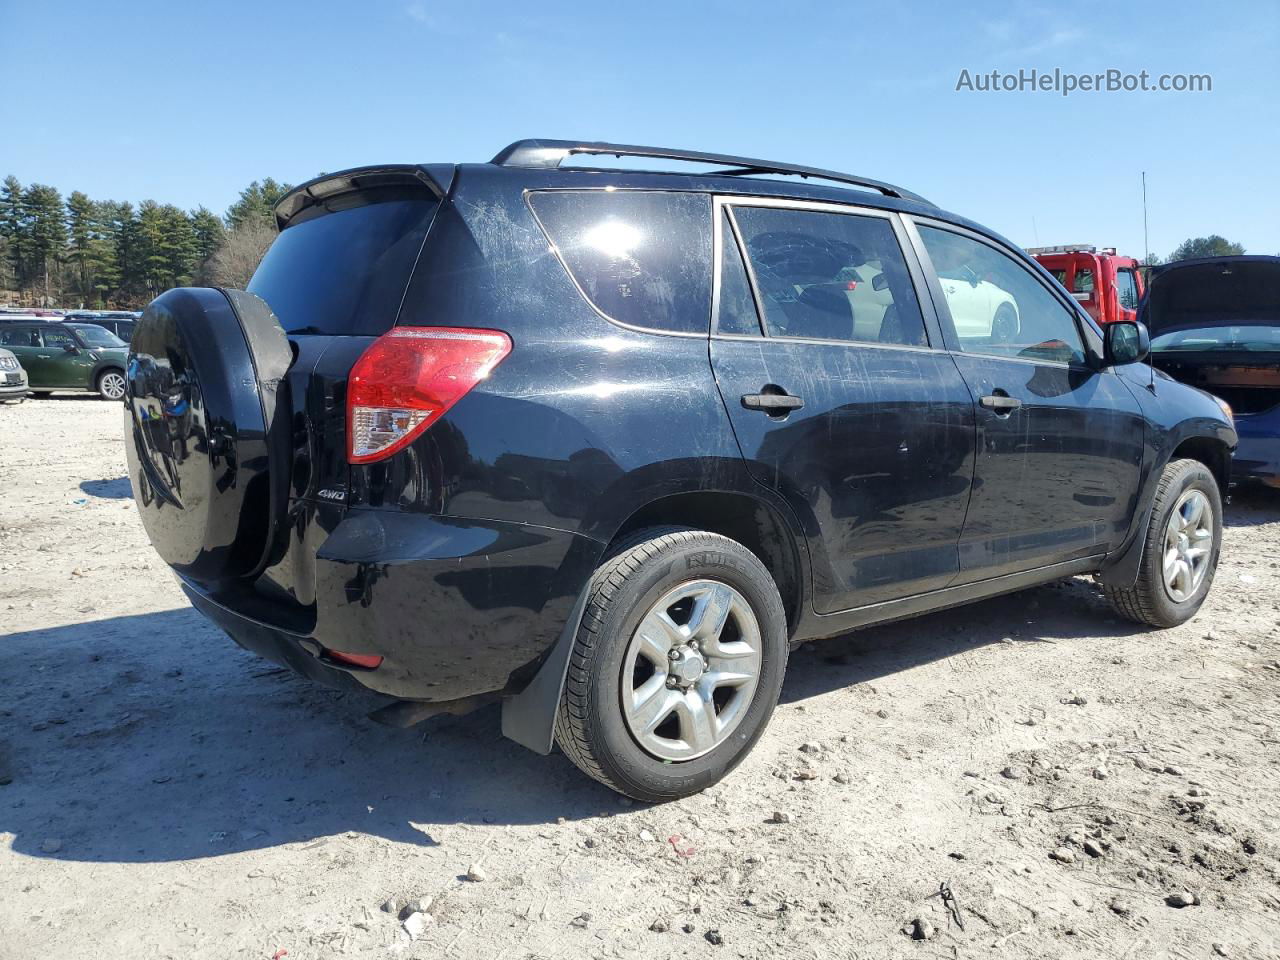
[
  {"x": 1127, "y": 289},
  {"x": 737, "y": 313},
  {"x": 19, "y": 337},
  {"x": 997, "y": 306},
  {"x": 58, "y": 338},
  {"x": 1084, "y": 280},
  {"x": 345, "y": 271},
  {"x": 640, "y": 257},
  {"x": 830, "y": 276},
  {"x": 96, "y": 336},
  {"x": 1060, "y": 276}
]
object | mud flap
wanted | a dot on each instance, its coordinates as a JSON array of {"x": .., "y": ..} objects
[{"x": 529, "y": 718}]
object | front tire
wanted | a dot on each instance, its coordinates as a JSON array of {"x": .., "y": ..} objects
[
  {"x": 676, "y": 667},
  {"x": 111, "y": 384},
  {"x": 1180, "y": 555}
]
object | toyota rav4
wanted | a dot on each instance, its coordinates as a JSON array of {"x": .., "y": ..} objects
[{"x": 604, "y": 444}]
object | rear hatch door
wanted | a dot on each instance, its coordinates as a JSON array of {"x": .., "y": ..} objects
[{"x": 335, "y": 278}]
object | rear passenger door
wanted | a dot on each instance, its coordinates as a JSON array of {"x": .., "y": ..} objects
[
  {"x": 1059, "y": 439},
  {"x": 24, "y": 343},
  {"x": 827, "y": 366}
]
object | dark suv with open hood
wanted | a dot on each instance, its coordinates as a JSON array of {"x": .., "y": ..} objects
[
  {"x": 603, "y": 443},
  {"x": 1215, "y": 323}
]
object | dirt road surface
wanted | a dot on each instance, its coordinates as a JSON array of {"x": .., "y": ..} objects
[{"x": 1066, "y": 775}]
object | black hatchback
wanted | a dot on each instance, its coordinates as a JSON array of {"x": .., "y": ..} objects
[{"x": 602, "y": 444}]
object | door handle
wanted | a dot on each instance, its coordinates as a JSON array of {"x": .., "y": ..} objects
[
  {"x": 773, "y": 404},
  {"x": 1001, "y": 403},
  {"x": 43, "y": 356}
]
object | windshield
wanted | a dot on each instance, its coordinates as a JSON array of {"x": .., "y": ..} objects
[
  {"x": 96, "y": 336},
  {"x": 1242, "y": 337}
]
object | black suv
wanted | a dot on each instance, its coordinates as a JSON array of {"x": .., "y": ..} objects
[{"x": 603, "y": 443}]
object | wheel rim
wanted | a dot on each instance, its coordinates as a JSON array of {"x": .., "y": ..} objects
[
  {"x": 112, "y": 386},
  {"x": 691, "y": 670},
  {"x": 1004, "y": 325},
  {"x": 1188, "y": 545}
]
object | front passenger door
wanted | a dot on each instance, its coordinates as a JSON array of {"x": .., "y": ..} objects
[
  {"x": 1059, "y": 444},
  {"x": 65, "y": 362}
]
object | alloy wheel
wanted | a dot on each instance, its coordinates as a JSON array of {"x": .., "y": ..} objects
[
  {"x": 691, "y": 670},
  {"x": 112, "y": 386},
  {"x": 1188, "y": 545}
]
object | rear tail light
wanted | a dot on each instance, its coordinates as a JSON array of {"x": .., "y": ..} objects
[
  {"x": 367, "y": 661},
  {"x": 408, "y": 379}
]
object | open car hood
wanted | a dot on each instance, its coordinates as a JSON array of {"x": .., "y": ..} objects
[{"x": 1212, "y": 292}]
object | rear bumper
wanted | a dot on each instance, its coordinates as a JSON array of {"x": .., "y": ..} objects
[
  {"x": 454, "y": 607},
  {"x": 1258, "y": 455}
]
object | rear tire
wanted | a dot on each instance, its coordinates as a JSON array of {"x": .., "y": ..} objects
[
  {"x": 713, "y": 690},
  {"x": 1004, "y": 325},
  {"x": 1175, "y": 575}
]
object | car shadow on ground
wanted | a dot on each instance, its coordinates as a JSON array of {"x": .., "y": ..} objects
[
  {"x": 1252, "y": 506},
  {"x": 70, "y": 397},
  {"x": 153, "y": 738},
  {"x": 108, "y": 488}
]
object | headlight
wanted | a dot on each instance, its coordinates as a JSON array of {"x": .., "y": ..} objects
[{"x": 1226, "y": 408}]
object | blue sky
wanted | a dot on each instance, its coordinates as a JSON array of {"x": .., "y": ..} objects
[{"x": 186, "y": 103}]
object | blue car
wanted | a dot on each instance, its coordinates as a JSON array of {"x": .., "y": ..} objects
[{"x": 1215, "y": 324}]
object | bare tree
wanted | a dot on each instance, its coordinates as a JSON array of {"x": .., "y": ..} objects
[{"x": 237, "y": 258}]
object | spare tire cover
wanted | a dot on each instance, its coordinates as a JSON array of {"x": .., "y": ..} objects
[{"x": 207, "y": 451}]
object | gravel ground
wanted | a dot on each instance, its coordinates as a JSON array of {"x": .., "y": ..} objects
[{"x": 1069, "y": 777}]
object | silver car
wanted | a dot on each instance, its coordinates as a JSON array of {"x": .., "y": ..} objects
[{"x": 13, "y": 379}]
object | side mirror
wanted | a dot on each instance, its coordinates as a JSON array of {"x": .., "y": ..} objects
[
  {"x": 879, "y": 281},
  {"x": 1127, "y": 342}
]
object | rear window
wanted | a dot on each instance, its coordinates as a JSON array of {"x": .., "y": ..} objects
[
  {"x": 344, "y": 272},
  {"x": 640, "y": 257}
]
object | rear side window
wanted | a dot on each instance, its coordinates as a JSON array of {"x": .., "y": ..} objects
[
  {"x": 830, "y": 276},
  {"x": 19, "y": 337},
  {"x": 344, "y": 272},
  {"x": 640, "y": 257},
  {"x": 737, "y": 311}
]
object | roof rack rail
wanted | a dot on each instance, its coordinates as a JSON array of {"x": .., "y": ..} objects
[{"x": 549, "y": 154}]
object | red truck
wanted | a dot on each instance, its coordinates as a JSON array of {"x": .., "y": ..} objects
[{"x": 1108, "y": 286}]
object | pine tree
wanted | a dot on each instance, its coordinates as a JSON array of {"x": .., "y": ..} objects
[
  {"x": 42, "y": 207},
  {"x": 103, "y": 252},
  {"x": 81, "y": 222},
  {"x": 257, "y": 202},
  {"x": 178, "y": 247},
  {"x": 152, "y": 262},
  {"x": 210, "y": 236},
  {"x": 13, "y": 229}
]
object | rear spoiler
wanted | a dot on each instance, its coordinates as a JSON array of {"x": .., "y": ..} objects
[{"x": 436, "y": 177}]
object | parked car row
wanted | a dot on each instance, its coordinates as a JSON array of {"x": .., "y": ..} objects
[
  {"x": 119, "y": 322},
  {"x": 61, "y": 355}
]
